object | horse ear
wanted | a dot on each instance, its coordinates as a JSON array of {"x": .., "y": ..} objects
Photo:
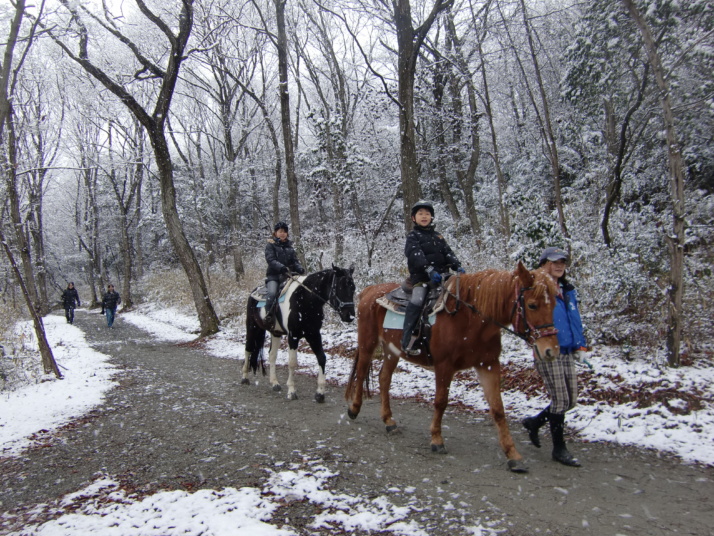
[
  {"x": 524, "y": 275},
  {"x": 352, "y": 269}
]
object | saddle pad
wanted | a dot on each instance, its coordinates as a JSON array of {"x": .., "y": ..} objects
[
  {"x": 260, "y": 293},
  {"x": 261, "y": 303},
  {"x": 394, "y": 320}
]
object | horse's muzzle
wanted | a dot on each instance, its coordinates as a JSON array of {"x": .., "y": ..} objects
[{"x": 545, "y": 352}]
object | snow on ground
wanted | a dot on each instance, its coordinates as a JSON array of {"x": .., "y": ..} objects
[
  {"x": 104, "y": 508},
  {"x": 673, "y": 425}
]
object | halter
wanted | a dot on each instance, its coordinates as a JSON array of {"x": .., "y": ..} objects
[
  {"x": 332, "y": 296},
  {"x": 530, "y": 333}
]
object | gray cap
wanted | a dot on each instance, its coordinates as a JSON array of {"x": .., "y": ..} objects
[{"x": 552, "y": 255}]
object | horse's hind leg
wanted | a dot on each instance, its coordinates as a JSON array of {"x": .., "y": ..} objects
[
  {"x": 272, "y": 358},
  {"x": 490, "y": 379},
  {"x": 246, "y": 368},
  {"x": 358, "y": 379}
]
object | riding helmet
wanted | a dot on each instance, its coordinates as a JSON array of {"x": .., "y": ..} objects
[
  {"x": 281, "y": 225},
  {"x": 423, "y": 204}
]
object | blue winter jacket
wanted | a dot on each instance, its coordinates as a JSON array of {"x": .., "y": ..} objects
[{"x": 566, "y": 318}]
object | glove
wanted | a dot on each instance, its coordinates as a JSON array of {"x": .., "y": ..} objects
[
  {"x": 435, "y": 277},
  {"x": 285, "y": 270},
  {"x": 582, "y": 354},
  {"x": 300, "y": 271},
  {"x": 101, "y": 312},
  {"x": 460, "y": 270}
]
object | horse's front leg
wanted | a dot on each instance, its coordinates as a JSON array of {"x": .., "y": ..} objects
[
  {"x": 292, "y": 366},
  {"x": 443, "y": 375},
  {"x": 490, "y": 380},
  {"x": 315, "y": 342},
  {"x": 389, "y": 364},
  {"x": 272, "y": 358}
]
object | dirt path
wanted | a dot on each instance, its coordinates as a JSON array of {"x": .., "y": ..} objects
[{"x": 181, "y": 420}]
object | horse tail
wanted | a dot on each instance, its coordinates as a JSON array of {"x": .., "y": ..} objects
[
  {"x": 352, "y": 382},
  {"x": 254, "y": 337}
]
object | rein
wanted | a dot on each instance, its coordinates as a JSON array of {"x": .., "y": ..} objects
[
  {"x": 332, "y": 295},
  {"x": 530, "y": 332}
]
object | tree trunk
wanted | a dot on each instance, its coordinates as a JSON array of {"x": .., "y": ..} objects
[
  {"x": 675, "y": 291},
  {"x": 18, "y": 237},
  {"x": 467, "y": 176},
  {"x": 49, "y": 364},
  {"x": 548, "y": 127},
  {"x": 206, "y": 314},
  {"x": 406, "y": 67},
  {"x": 441, "y": 75},
  {"x": 291, "y": 176},
  {"x": 500, "y": 177},
  {"x": 617, "y": 149}
]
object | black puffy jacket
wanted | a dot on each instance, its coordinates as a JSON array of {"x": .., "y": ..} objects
[
  {"x": 280, "y": 255},
  {"x": 110, "y": 300},
  {"x": 70, "y": 297},
  {"x": 424, "y": 248}
]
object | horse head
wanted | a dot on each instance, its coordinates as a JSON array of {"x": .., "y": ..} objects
[
  {"x": 534, "y": 312},
  {"x": 342, "y": 294}
]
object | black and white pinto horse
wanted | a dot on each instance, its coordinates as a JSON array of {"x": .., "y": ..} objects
[{"x": 299, "y": 315}]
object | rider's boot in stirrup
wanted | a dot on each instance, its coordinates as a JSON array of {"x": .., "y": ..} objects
[{"x": 411, "y": 318}]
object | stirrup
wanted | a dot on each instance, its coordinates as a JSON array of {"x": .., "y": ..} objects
[{"x": 409, "y": 348}]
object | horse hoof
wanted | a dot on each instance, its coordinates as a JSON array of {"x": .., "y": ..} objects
[
  {"x": 517, "y": 466},
  {"x": 277, "y": 388},
  {"x": 391, "y": 428},
  {"x": 292, "y": 396},
  {"x": 351, "y": 414},
  {"x": 245, "y": 381},
  {"x": 439, "y": 449},
  {"x": 319, "y": 398}
]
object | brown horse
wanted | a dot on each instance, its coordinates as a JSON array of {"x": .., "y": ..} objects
[{"x": 466, "y": 334}]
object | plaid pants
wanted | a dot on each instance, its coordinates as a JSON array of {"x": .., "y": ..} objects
[{"x": 561, "y": 381}]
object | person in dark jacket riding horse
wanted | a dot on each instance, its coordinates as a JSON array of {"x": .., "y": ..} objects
[
  {"x": 428, "y": 256},
  {"x": 70, "y": 300},
  {"x": 282, "y": 260}
]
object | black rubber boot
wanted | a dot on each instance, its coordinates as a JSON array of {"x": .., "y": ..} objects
[
  {"x": 269, "y": 320},
  {"x": 411, "y": 317},
  {"x": 533, "y": 424},
  {"x": 560, "y": 452}
]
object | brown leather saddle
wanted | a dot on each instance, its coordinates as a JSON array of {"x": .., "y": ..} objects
[{"x": 396, "y": 302}]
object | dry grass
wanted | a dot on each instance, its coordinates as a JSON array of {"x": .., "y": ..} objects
[{"x": 170, "y": 288}]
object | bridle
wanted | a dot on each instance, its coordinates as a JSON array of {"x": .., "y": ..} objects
[
  {"x": 522, "y": 328},
  {"x": 333, "y": 300}
]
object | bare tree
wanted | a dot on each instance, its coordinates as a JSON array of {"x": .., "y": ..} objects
[
  {"x": 676, "y": 240},
  {"x": 409, "y": 42},
  {"x": 153, "y": 121},
  {"x": 546, "y": 124},
  {"x": 281, "y": 43},
  {"x": 9, "y": 71}
]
